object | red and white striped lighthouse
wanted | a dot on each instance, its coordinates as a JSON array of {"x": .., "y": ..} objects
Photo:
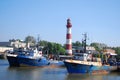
[{"x": 69, "y": 38}]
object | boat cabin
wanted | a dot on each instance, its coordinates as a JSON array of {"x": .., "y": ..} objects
[{"x": 81, "y": 56}]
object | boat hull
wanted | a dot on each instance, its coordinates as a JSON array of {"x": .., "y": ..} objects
[
  {"x": 13, "y": 61},
  {"x": 83, "y": 68},
  {"x": 20, "y": 61},
  {"x": 25, "y": 61}
]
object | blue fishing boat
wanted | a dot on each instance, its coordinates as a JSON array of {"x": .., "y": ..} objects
[
  {"x": 27, "y": 57},
  {"x": 80, "y": 64},
  {"x": 12, "y": 59},
  {"x": 85, "y": 63}
]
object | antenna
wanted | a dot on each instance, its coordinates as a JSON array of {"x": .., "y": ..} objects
[
  {"x": 84, "y": 41},
  {"x": 38, "y": 38}
]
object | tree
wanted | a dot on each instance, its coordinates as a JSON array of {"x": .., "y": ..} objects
[
  {"x": 30, "y": 39},
  {"x": 62, "y": 50},
  {"x": 43, "y": 43},
  {"x": 77, "y": 43},
  {"x": 52, "y": 48},
  {"x": 98, "y": 46},
  {"x": 117, "y": 50},
  {"x": 58, "y": 48}
]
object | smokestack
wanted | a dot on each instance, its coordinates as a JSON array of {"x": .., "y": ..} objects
[{"x": 69, "y": 38}]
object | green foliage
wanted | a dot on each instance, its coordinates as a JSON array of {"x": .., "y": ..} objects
[
  {"x": 30, "y": 39},
  {"x": 98, "y": 46},
  {"x": 43, "y": 43},
  {"x": 117, "y": 50},
  {"x": 52, "y": 48},
  {"x": 95, "y": 45},
  {"x": 77, "y": 43}
]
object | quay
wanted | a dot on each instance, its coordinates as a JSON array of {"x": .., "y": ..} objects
[{"x": 3, "y": 51}]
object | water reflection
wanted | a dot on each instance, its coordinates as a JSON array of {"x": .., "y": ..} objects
[
  {"x": 36, "y": 73},
  {"x": 54, "y": 73},
  {"x": 112, "y": 76},
  {"x": 21, "y": 73},
  {"x": 48, "y": 73},
  {"x": 83, "y": 77}
]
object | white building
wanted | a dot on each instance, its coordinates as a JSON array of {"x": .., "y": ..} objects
[
  {"x": 13, "y": 43},
  {"x": 4, "y": 49},
  {"x": 17, "y": 44},
  {"x": 89, "y": 49},
  {"x": 109, "y": 51}
]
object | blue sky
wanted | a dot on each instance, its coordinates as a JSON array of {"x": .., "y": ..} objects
[{"x": 100, "y": 19}]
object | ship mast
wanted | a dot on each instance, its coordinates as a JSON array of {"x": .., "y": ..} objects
[
  {"x": 38, "y": 41},
  {"x": 84, "y": 42}
]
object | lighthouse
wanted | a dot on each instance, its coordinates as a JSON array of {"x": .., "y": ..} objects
[{"x": 69, "y": 38}]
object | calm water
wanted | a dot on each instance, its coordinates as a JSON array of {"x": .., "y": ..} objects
[{"x": 47, "y": 73}]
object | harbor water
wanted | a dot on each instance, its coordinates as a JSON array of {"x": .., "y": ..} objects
[{"x": 48, "y": 73}]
